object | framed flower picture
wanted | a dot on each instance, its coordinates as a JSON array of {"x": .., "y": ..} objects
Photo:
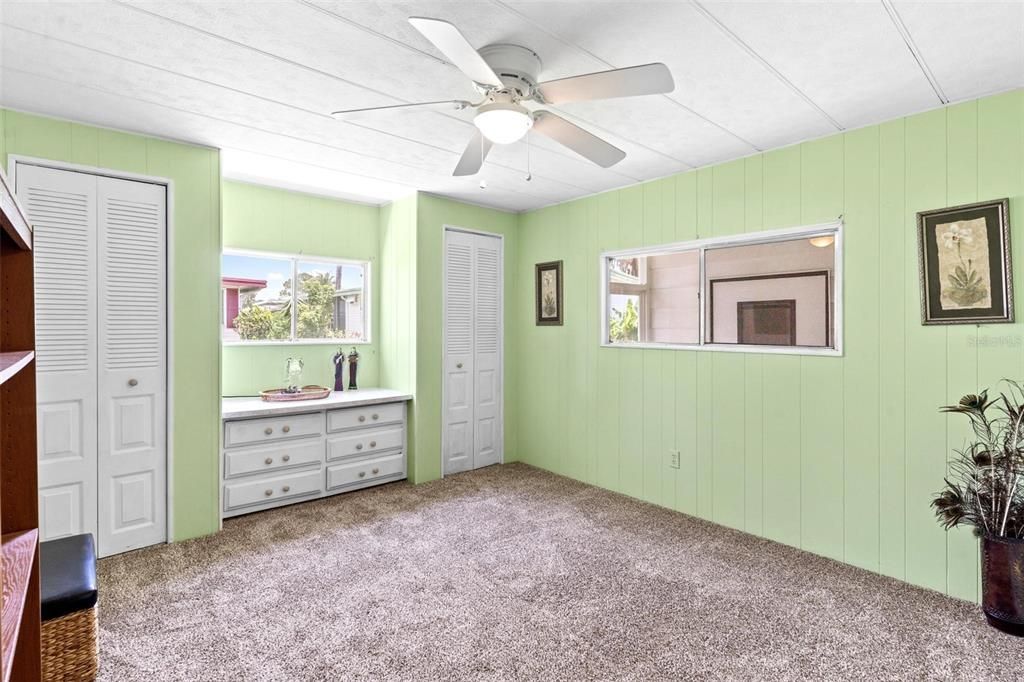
[
  {"x": 964, "y": 254},
  {"x": 549, "y": 293}
]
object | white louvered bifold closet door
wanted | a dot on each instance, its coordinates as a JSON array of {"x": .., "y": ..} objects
[
  {"x": 101, "y": 326},
  {"x": 471, "y": 435},
  {"x": 62, "y": 208},
  {"x": 132, "y": 378}
]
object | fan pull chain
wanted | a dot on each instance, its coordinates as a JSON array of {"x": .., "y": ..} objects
[{"x": 529, "y": 147}]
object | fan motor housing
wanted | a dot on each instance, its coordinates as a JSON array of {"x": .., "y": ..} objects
[{"x": 516, "y": 66}]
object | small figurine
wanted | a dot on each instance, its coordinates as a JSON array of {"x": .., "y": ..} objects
[
  {"x": 339, "y": 369},
  {"x": 353, "y": 362},
  {"x": 293, "y": 371}
]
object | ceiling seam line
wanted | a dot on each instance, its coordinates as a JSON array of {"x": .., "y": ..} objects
[
  {"x": 593, "y": 56},
  {"x": 764, "y": 62},
  {"x": 276, "y": 102},
  {"x": 366, "y": 29},
  {"x": 915, "y": 52},
  {"x": 315, "y": 70},
  {"x": 284, "y": 135}
]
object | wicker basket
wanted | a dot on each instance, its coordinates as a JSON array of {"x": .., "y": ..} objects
[{"x": 69, "y": 647}]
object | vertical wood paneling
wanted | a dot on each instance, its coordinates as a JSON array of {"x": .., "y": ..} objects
[
  {"x": 840, "y": 456},
  {"x": 728, "y": 407},
  {"x": 860, "y": 367},
  {"x": 895, "y": 258},
  {"x": 961, "y": 340},
  {"x": 686, "y": 387},
  {"x": 781, "y": 374},
  {"x": 753, "y": 372},
  {"x": 926, "y": 357},
  {"x": 821, "y": 379}
]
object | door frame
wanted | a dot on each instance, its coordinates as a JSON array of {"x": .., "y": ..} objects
[
  {"x": 501, "y": 333},
  {"x": 13, "y": 160}
]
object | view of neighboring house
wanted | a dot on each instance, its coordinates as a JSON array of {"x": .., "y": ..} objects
[{"x": 232, "y": 291}]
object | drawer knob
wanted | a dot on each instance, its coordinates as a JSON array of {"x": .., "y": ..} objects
[
  {"x": 359, "y": 446},
  {"x": 268, "y": 492},
  {"x": 362, "y": 417},
  {"x": 285, "y": 458},
  {"x": 268, "y": 460},
  {"x": 458, "y": 365},
  {"x": 133, "y": 382},
  {"x": 286, "y": 428},
  {"x": 373, "y": 443},
  {"x": 286, "y": 488},
  {"x": 362, "y": 473},
  {"x": 268, "y": 430},
  {"x": 375, "y": 417},
  {"x": 376, "y": 471}
]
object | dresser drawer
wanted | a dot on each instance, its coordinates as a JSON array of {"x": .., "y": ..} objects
[
  {"x": 250, "y": 431},
  {"x": 365, "y": 442},
  {"x": 272, "y": 489},
  {"x": 365, "y": 470},
  {"x": 371, "y": 415},
  {"x": 283, "y": 455}
]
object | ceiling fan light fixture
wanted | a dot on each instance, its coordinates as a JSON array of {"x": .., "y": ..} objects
[{"x": 503, "y": 122}]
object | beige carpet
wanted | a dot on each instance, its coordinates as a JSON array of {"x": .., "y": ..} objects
[{"x": 514, "y": 573}]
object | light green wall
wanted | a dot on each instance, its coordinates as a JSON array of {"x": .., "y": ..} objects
[
  {"x": 194, "y": 349},
  {"x": 838, "y": 456},
  {"x": 266, "y": 219},
  {"x": 432, "y": 214}
]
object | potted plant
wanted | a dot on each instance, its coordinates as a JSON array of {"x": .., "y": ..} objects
[{"x": 985, "y": 489}]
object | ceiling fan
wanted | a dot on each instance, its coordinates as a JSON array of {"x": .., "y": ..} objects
[{"x": 506, "y": 77}]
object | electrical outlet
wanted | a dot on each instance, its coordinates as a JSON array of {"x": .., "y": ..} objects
[{"x": 673, "y": 459}]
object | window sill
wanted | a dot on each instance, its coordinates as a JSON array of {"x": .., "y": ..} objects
[
  {"x": 733, "y": 348},
  {"x": 297, "y": 342}
]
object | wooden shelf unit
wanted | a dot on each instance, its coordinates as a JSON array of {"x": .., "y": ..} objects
[{"x": 19, "y": 505}]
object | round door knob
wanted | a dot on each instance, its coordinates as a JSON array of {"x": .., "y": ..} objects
[
  {"x": 374, "y": 417},
  {"x": 376, "y": 471},
  {"x": 362, "y": 473},
  {"x": 285, "y": 458},
  {"x": 359, "y": 446},
  {"x": 373, "y": 443},
  {"x": 458, "y": 365},
  {"x": 286, "y": 428},
  {"x": 286, "y": 488},
  {"x": 268, "y": 492},
  {"x": 362, "y": 417},
  {"x": 133, "y": 382},
  {"x": 268, "y": 430},
  {"x": 268, "y": 460}
]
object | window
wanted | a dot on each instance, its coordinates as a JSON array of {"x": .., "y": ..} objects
[
  {"x": 275, "y": 297},
  {"x": 771, "y": 291}
]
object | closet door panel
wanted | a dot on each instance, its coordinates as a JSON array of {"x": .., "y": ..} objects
[
  {"x": 458, "y": 353},
  {"x": 62, "y": 208},
  {"x": 487, "y": 332},
  {"x": 132, "y": 361}
]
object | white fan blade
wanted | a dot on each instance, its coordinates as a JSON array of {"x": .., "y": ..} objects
[
  {"x": 587, "y": 145},
  {"x": 473, "y": 158},
  {"x": 456, "y": 104},
  {"x": 649, "y": 79},
  {"x": 457, "y": 49}
]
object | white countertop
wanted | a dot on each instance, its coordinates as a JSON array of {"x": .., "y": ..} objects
[{"x": 239, "y": 408}]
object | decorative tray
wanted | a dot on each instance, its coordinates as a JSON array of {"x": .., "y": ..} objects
[{"x": 279, "y": 395}]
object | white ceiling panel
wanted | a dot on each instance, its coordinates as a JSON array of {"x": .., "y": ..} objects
[
  {"x": 713, "y": 77},
  {"x": 258, "y": 79},
  {"x": 972, "y": 48},
  {"x": 810, "y": 43}
]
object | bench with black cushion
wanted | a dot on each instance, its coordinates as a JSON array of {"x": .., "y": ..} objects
[{"x": 67, "y": 572}]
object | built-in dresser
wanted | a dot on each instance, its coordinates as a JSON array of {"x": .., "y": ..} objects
[{"x": 278, "y": 453}]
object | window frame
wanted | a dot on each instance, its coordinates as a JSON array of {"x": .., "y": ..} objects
[
  {"x": 832, "y": 228},
  {"x": 293, "y": 261}
]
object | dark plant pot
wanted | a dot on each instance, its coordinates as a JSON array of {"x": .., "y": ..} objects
[{"x": 1002, "y": 583}]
